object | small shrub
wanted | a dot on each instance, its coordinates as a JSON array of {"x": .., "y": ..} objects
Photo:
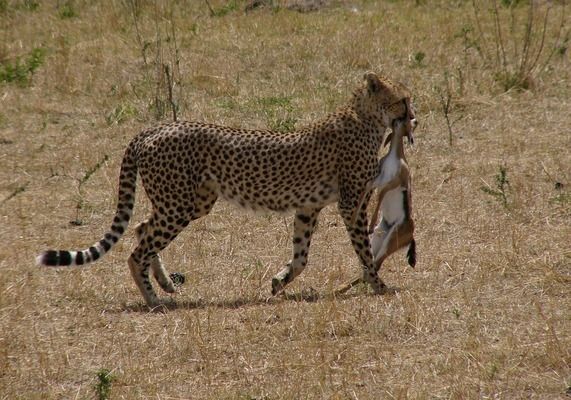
[
  {"x": 283, "y": 124},
  {"x": 417, "y": 59},
  {"x": 66, "y": 10},
  {"x": 16, "y": 73},
  {"x": 502, "y": 184},
  {"x": 513, "y": 39},
  {"x": 30, "y": 5},
  {"x": 275, "y": 101},
  {"x": 230, "y": 6},
  {"x": 104, "y": 381},
  {"x": 21, "y": 72},
  {"x": 277, "y": 111},
  {"x": 121, "y": 113},
  {"x": 35, "y": 59}
]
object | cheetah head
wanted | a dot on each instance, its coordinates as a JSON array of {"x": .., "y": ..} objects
[
  {"x": 404, "y": 126},
  {"x": 384, "y": 101}
]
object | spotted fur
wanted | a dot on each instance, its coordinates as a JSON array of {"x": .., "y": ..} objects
[{"x": 186, "y": 166}]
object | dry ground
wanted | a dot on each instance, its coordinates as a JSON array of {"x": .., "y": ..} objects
[{"x": 486, "y": 313}]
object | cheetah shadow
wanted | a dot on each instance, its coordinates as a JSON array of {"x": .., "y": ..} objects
[{"x": 304, "y": 296}]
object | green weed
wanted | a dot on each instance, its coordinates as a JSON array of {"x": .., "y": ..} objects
[
  {"x": 121, "y": 113},
  {"x": 67, "y": 10},
  {"x": 227, "y": 8},
  {"x": 21, "y": 72},
  {"x": 275, "y": 101},
  {"x": 226, "y": 103},
  {"x": 277, "y": 111},
  {"x": 502, "y": 184},
  {"x": 31, "y": 5},
  {"x": 104, "y": 381},
  {"x": 282, "y": 124},
  {"x": 417, "y": 59}
]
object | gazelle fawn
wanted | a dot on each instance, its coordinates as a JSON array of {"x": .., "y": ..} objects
[{"x": 396, "y": 228}]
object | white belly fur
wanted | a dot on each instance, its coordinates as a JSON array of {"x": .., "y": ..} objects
[{"x": 392, "y": 206}]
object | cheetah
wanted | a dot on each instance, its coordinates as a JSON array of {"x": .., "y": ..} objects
[{"x": 186, "y": 166}]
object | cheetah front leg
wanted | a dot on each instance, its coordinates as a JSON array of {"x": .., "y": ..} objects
[
  {"x": 358, "y": 232},
  {"x": 303, "y": 226}
]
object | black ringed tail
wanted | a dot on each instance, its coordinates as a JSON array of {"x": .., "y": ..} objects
[{"x": 125, "y": 202}]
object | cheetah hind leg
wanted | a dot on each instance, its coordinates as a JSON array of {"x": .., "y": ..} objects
[
  {"x": 303, "y": 227},
  {"x": 167, "y": 282}
]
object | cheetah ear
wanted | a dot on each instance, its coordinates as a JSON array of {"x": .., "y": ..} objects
[{"x": 374, "y": 84}]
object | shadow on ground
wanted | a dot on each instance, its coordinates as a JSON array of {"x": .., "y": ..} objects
[{"x": 309, "y": 295}]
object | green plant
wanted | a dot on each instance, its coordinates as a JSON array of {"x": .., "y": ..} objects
[
  {"x": 502, "y": 184},
  {"x": 227, "y": 8},
  {"x": 21, "y": 72},
  {"x": 417, "y": 59},
  {"x": 121, "y": 113},
  {"x": 35, "y": 59},
  {"x": 277, "y": 111},
  {"x": 31, "y": 5},
  {"x": 67, "y": 10},
  {"x": 283, "y": 124},
  {"x": 104, "y": 381}
]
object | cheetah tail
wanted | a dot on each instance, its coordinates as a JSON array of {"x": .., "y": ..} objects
[{"x": 126, "y": 199}]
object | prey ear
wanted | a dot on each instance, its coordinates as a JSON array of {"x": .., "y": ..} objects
[
  {"x": 388, "y": 139},
  {"x": 374, "y": 84}
]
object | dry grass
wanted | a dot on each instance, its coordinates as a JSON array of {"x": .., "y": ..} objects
[{"x": 486, "y": 313}]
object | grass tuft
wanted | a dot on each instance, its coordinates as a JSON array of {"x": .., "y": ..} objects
[
  {"x": 501, "y": 186},
  {"x": 66, "y": 10},
  {"x": 20, "y": 71},
  {"x": 104, "y": 381}
]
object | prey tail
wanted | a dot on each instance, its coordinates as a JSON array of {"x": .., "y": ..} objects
[
  {"x": 125, "y": 202},
  {"x": 411, "y": 254}
]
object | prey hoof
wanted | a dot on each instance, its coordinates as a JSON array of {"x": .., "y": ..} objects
[{"x": 177, "y": 278}]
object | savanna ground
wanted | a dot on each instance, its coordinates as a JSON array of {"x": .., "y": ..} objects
[{"x": 485, "y": 314}]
